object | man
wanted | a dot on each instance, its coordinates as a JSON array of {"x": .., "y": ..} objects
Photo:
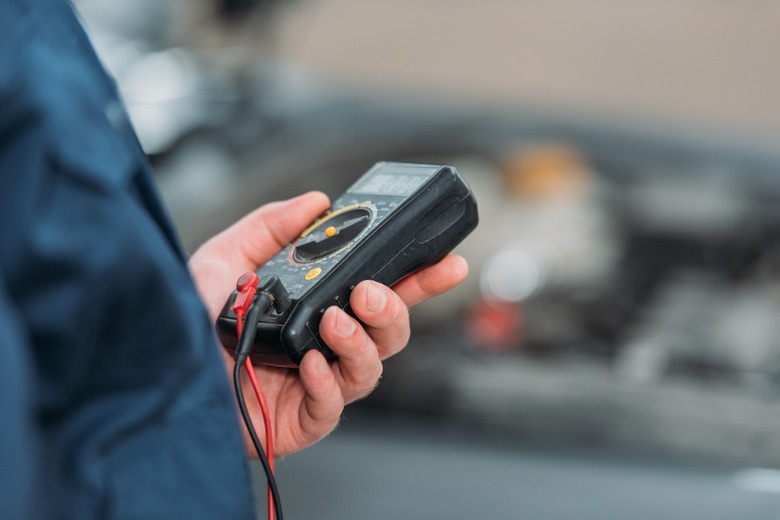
[{"x": 115, "y": 402}]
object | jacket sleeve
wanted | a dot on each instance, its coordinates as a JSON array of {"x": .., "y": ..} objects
[{"x": 19, "y": 440}]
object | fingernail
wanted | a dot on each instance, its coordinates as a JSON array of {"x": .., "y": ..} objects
[
  {"x": 344, "y": 325},
  {"x": 375, "y": 299}
]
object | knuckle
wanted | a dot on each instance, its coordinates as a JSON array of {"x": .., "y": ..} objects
[
  {"x": 325, "y": 413},
  {"x": 363, "y": 381},
  {"x": 402, "y": 315},
  {"x": 371, "y": 382},
  {"x": 365, "y": 373}
]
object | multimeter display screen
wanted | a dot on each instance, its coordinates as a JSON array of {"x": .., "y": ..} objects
[{"x": 401, "y": 185}]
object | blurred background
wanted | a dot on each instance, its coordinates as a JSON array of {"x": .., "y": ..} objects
[{"x": 615, "y": 351}]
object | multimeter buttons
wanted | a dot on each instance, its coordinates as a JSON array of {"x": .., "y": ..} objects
[{"x": 331, "y": 234}]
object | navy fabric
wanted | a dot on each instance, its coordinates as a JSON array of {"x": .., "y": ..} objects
[{"x": 113, "y": 400}]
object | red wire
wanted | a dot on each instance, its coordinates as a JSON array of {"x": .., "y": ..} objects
[
  {"x": 269, "y": 443},
  {"x": 269, "y": 449}
]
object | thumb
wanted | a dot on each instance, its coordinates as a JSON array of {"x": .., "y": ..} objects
[{"x": 264, "y": 232}]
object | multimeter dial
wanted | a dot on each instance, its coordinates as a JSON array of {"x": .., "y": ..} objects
[{"x": 331, "y": 234}]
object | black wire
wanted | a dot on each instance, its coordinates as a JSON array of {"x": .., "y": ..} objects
[
  {"x": 260, "y": 452},
  {"x": 260, "y": 306}
]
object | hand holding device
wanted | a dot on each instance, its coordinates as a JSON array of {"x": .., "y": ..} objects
[{"x": 306, "y": 402}]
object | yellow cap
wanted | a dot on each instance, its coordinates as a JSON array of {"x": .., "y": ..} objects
[{"x": 314, "y": 273}]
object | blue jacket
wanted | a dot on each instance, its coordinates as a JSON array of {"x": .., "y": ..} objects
[{"x": 113, "y": 400}]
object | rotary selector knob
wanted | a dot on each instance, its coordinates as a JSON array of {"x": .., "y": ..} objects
[{"x": 331, "y": 234}]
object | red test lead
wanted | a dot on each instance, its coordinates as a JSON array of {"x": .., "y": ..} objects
[{"x": 246, "y": 287}]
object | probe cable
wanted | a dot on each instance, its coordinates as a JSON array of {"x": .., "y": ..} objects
[
  {"x": 246, "y": 338},
  {"x": 269, "y": 449}
]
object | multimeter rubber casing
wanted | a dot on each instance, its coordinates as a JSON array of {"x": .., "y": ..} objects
[{"x": 396, "y": 219}]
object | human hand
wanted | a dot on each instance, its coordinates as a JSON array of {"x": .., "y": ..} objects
[{"x": 305, "y": 404}]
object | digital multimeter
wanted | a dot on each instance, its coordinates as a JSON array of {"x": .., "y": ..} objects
[{"x": 396, "y": 219}]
